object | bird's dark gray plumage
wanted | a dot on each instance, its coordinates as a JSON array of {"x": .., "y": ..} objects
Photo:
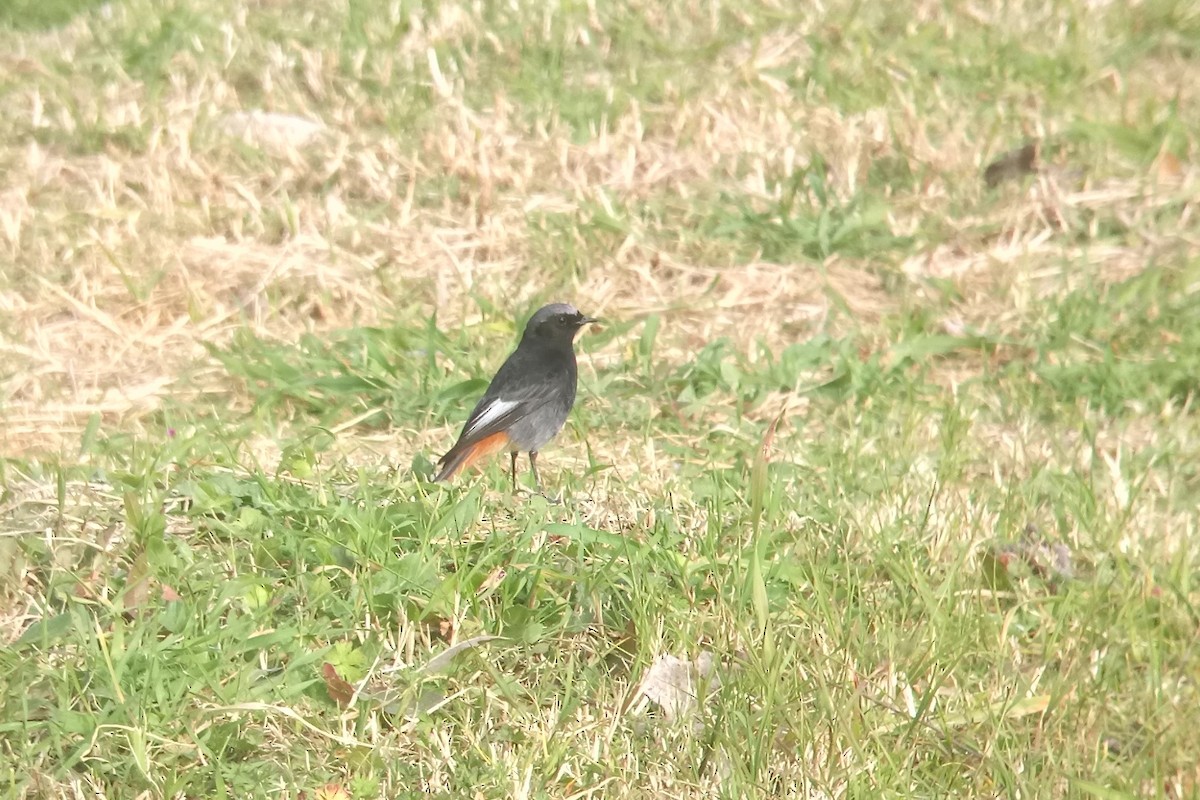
[{"x": 528, "y": 400}]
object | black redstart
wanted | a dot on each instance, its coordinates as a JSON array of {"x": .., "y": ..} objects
[{"x": 527, "y": 402}]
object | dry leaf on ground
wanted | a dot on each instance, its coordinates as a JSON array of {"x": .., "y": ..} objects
[
  {"x": 676, "y": 686},
  {"x": 272, "y": 130}
]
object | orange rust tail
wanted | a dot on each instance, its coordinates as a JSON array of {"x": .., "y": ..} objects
[{"x": 460, "y": 458}]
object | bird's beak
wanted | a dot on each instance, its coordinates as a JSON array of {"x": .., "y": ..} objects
[{"x": 588, "y": 320}]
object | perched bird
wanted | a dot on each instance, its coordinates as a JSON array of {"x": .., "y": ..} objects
[{"x": 527, "y": 402}]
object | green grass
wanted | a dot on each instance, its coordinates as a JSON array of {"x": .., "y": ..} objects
[
  {"x": 913, "y": 460},
  {"x": 30, "y": 15}
]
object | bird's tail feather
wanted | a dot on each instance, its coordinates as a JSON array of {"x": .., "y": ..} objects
[{"x": 462, "y": 456}]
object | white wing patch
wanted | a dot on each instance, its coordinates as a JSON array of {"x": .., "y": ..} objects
[{"x": 496, "y": 409}]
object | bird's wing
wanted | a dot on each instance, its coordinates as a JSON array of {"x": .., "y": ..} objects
[
  {"x": 491, "y": 416},
  {"x": 506, "y": 401}
]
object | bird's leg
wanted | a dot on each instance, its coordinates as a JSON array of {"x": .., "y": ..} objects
[
  {"x": 554, "y": 501},
  {"x": 514, "y": 470},
  {"x": 533, "y": 467}
]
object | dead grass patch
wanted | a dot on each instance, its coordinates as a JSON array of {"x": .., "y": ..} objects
[
  {"x": 177, "y": 249},
  {"x": 282, "y": 241}
]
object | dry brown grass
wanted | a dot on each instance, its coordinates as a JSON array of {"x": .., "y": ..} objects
[{"x": 125, "y": 261}]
